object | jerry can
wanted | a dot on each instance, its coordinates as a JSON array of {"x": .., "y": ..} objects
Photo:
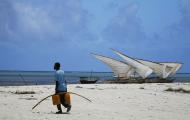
[
  {"x": 56, "y": 100},
  {"x": 67, "y": 99}
]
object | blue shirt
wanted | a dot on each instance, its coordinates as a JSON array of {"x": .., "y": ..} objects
[{"x": 60, "y": 80}]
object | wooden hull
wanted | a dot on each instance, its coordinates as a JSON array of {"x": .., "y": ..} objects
[{"x": 126, "y": 81}]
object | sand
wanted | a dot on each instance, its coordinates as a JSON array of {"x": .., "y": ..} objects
[{"x": 110, "y": 102}]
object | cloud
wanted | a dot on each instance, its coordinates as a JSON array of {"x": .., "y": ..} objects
[
  {"x": 173, "y": 42},
  {"x": 179, "y": 33},
  {"x": 125, "y": 27},
  {"x": 126, "y": 32},
  {"x": 8, "y": 19},
  {"x": 40, "y": 32},
  {"x": 51, "y": 29},
  {"x": 27, "y": 22}
]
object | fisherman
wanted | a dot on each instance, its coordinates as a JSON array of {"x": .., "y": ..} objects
[{"x": 61, "y": 86}]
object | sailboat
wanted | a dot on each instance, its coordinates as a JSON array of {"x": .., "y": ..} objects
[{"x": 126, "y": 69}]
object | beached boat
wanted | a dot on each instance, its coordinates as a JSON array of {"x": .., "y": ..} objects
[
  {"x": 137, "y": 70},
  {"x": 88, "y": 80}
]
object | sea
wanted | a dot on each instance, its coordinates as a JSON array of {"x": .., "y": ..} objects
[{"x": 19, "y": 78}]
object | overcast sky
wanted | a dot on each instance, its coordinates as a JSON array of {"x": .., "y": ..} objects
[{"x": 36, "y": 33}]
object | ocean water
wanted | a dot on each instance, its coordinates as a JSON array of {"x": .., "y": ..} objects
[
  {"x": 47, "y": 77},
  {"x": 72, "y": 77}
]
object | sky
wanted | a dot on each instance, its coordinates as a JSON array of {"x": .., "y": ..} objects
[{"x": 34, "y": 34}]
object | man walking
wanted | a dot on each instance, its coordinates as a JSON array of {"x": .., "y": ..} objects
[{"x": 61, "y": 86}]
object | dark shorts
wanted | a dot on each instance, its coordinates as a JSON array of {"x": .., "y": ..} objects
[{"x": 62, "y": 99}]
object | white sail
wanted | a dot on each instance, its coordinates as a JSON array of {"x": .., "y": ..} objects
[
  {"x": 157, "y": 68},
  {"x": 167, "y": 70},
  {"x": 120, "y": 69},
  {"x": 175, "y": 67},
  {"x": 143, "y": 70},
  {"x": 161, "y": 70}
]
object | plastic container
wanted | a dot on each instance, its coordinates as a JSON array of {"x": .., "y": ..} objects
[{"x": 56, "y": 100}]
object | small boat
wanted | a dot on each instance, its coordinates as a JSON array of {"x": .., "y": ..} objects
[{"x": 88, "y": 80}]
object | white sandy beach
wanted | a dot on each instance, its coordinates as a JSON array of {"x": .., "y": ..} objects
[{"x": 110, "y": 102}]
